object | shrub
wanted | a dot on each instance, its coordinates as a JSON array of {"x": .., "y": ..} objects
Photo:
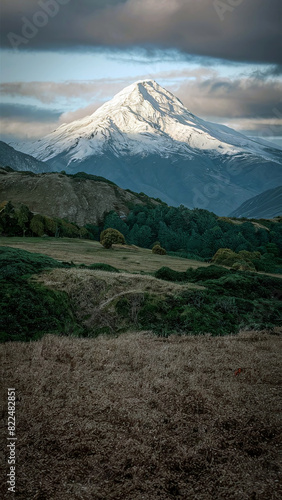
[
  {"x": 167, "y": 274},
  {"x": 249, "y": 255},
  {"x": 207, "y": 273},
  {"x": 157, "y": 249},
  {"x": 104, "y": 267},
  {"x": 243, "y": 265},
  {"x": 225, "y": 257},
  {"x": 194, "y": 275},
  {"x": 28, "y": 311},
  {"x": 242, "y": 261},
  {"x": 20, "y": 262},
  {"x": 111, "y": 237}
]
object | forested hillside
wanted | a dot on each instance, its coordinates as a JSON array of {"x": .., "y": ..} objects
[
  {"x": 186, "y": 233},
  {"x": 199, "y": 233}
]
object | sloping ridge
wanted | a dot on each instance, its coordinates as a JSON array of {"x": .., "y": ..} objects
[
  {"x": 266, "y": 205},
  {"x": 21, "y": 161},
  {"x": 79, "y": 198}
]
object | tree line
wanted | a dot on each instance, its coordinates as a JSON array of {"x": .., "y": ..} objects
[
  {"x": 181, "y": 231},
  {"x": 198, "y": 233}
]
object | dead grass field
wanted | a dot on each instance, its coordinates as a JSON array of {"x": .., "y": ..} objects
[
  {"x": 132, "y": 259},
  {"x": 140, "y": 417}
]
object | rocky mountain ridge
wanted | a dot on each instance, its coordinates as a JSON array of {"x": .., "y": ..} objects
[{"x": 79, "y": 199}]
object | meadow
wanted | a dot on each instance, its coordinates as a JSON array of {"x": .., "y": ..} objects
[{"x": 79, "y": 251}]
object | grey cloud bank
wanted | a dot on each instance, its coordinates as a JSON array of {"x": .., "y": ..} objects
[{"x": 249, "y": 31}]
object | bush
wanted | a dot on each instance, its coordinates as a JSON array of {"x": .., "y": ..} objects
[
  {"x": 225, "y": 257},
  {"x": 104, "y": 267},
  {"x": 111, "y": 237},
  {"x": 207, "y": 273},
  {"x": 157, "y": 249},
  {"x": 167, "y": 274},
  {"x": 230, "y": 301},
  {"x": 29, "y": 310},
  {"x": 243, "y": 265},
  {"x": 242, "y": 261},
  {"x": 194, "y": 275},
  {"x": 20, "y": 262},
  {"x": 249, "y": 255}
]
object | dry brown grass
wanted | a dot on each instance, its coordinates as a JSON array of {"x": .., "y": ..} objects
[
  {"x": 139, "y": 417},
  {"x": 132, "y": 259}
]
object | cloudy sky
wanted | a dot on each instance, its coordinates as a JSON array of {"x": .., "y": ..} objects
[{"x": 61, "y": 59}]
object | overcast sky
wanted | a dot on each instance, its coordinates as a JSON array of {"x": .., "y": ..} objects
[{"x": 61, "y": 59}]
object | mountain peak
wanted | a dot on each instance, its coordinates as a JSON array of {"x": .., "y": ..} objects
[
  {"x": 145, "y": 139},
  {"x": 142, "y": 119},
  {"x": 144, "y": 90},
  {"x": 146, "y": 81}
]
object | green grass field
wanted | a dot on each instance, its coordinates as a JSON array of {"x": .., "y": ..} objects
[{"x": 132, "y": 259}]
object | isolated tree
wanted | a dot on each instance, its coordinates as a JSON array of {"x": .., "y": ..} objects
[
  {"x": 157, "y": 249},
  {"x": 225, "y": 257},
  {"x": 111, "y": 237}
]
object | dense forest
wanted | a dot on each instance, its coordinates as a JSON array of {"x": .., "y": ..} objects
[{"x": 200, "y": 234}]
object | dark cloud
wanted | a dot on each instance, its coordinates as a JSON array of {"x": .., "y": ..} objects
[
  {"x": 23, "y": 122},
  {"x": 23, "y": 113},
  {"x": 250, "y": 31},
  {"x": 271, "y": 72}
]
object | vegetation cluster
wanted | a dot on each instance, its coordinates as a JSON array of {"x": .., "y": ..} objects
[
  {"x": 27, "y": 309},
  {"x": 20, "y": 221},
  {"x": 231, "y": 300}
]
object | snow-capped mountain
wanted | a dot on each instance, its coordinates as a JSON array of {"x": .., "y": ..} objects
[{"x": 146, "y": 140}]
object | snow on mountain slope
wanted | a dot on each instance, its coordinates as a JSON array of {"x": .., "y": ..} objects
[
  {"x": 146, "y": 140},
  {"x": 143, "y": 118}
]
